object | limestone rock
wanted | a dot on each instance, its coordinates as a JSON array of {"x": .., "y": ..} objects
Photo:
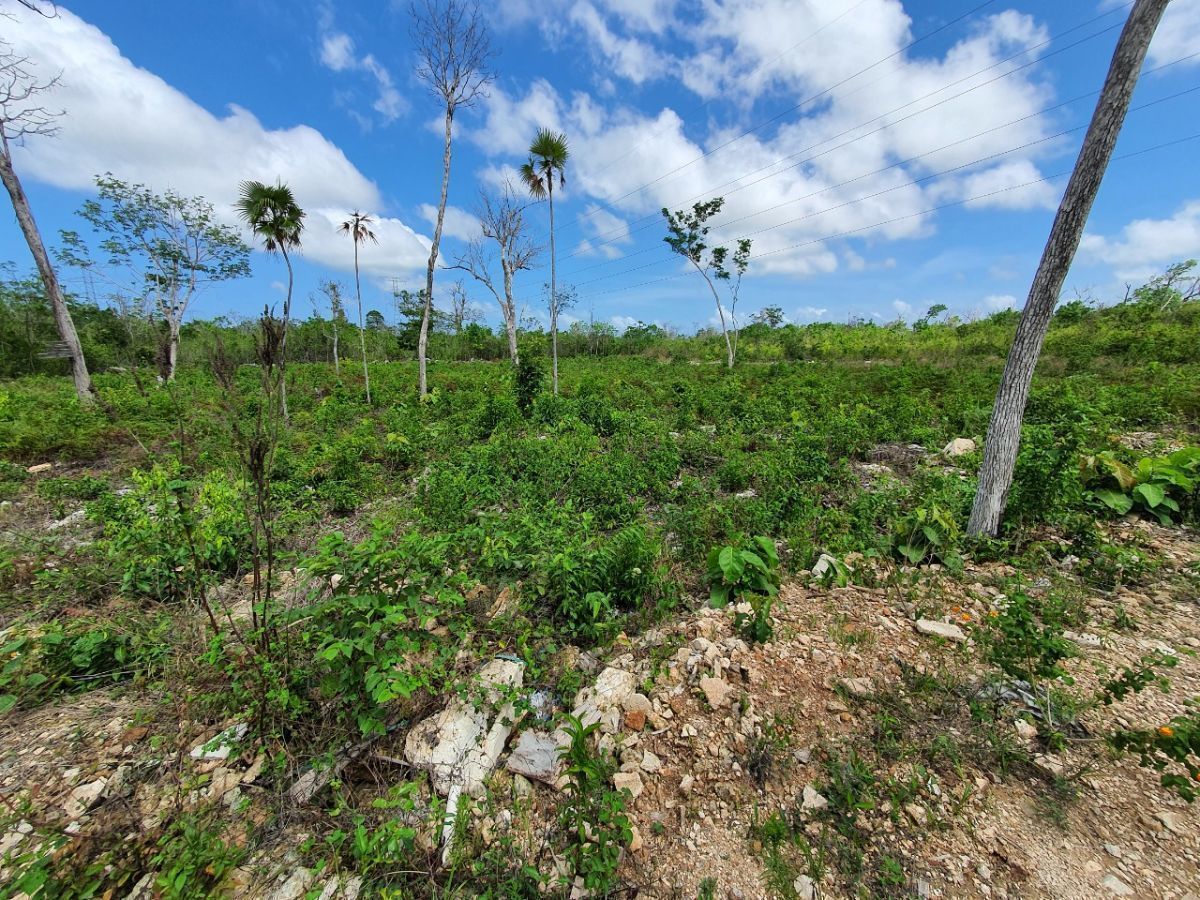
[
  {"x": 959, "y": 447},
  {"x": 461, "y": 744},
  {"x": 537, "y": 756},
  {"x": 812, "y": 801},
  {"x": 947, "y": 630},
  {"x": 629, "y": 781},
  {"x": 716, "y": 692},
  {"x": 219, "y": 747}
]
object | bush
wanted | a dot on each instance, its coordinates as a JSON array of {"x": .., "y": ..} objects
[{"x": 172, "y": 535}]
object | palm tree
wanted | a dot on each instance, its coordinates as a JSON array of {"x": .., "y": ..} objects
[
  {"x": 547, "y": 159},
  {"x": 358, "y": 226},
  {"x": 273, "y": 215}
]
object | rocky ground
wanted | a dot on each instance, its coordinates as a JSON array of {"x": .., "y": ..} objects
[{"x": 714, "y": 737}]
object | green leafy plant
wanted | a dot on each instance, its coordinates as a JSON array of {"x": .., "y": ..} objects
[
  {"x": 927, "y": 533},
  {"x": 743, "y": 568},
  {"x": 593, "y": 814},
  {"x": 1173, "y": 750},
  {"x": 1163, "y": 487},
  {"x": 373, "y": 634}
]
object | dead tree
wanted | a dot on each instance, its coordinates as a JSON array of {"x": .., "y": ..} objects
[
  {"x": 1004, "y": 429},
  {"x": 20, "y": 117},
  {"x": 454, "y": 50},
  {"x": 502, "y": 221}
]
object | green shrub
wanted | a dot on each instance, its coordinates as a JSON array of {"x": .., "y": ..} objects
[
  {"x": 592, "y": 815},
  {"x": 171, "y": 535}
]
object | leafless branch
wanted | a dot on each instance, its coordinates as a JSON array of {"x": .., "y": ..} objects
[
  {"x": 454, "y": 50},
  {"x": 20, "y": 114}
]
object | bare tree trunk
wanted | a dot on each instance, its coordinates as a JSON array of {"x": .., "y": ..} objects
[
  {"x": 172, "y": 346},
  {"x": 510, "y": 316},
  {"x": 720, "y": 312},
  {"x": 1004, "y": 429},
  {"x": 423, "y": 340},
  {"x": 362, "y": 329},
  {"x": 553, "y": 294},
  {"x": 337, "y": 364},
  {"x": 287, "y": 316},
  {"x": 33, "y": 237}
]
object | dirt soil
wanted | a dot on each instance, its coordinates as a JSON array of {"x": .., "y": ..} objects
[{"x": 102, "y": 759}]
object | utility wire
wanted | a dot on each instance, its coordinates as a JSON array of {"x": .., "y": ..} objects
[
  {"x": 923, "y": 212},
  {"x": 621, "y": 231}
]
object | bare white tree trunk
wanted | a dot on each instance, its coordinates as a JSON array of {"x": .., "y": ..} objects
[
  {"x": 553, "y": 294},
  {"x": 362, "y": 330},
  {"x": 287, "y": 316},
  {"x": 33, "y": 237},
  {"x": 509, "y": 308},
  {"x": 172, "y": 346},
  {"x": 423, "y": 339},
  {"x": 1004, "y": 429},
  {"x": 720, "y": 313}
]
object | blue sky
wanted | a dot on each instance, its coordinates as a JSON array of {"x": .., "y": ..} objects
[{"x": 883, "y": 155}]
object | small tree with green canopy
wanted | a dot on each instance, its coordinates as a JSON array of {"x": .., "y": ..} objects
[
  {"x": 272, "y": 213},
  {"x": 547, "y": 163},
  {"x": 163, "y": 246},
  {"x": 687, "y": 235}
]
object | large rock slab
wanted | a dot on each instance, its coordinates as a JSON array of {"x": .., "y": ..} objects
[
  {"x": 947, "y": 630},
  {"x": 538, "y": 756},
  {"x": 460, "y": 745}
]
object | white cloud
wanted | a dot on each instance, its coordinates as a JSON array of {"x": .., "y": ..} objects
[
  {"x": 458, "y": 222},
  {"x": 811, "y": 313},
  {"x": 1144, "y": 247},
  {"x": 902, "y": 309},
  {"x": 627, "y": 57},
  {"x": 124, "y": 119},
  {"x": 997, "y": 302},
  {"x": 801, "y": 191},
  {"x": 1178, "y": 34},
  {"x": 399, "y": 251},
  {"x": 338, "y": 55},
  {"x": 337, "y": 51},
  {"x": 622, "y": 323}
]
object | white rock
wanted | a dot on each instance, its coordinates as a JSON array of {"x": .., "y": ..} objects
[
  {"x": 858, "y": 687},
  {"x": 220, "y": 746},
  {"x": 537, "y": 756},
  {"x": 629, "y": 781},
  {"x": 650, "y": 762},
  {"x": 84, "y": 798},
  {"x": 716, "y": 691},
  {"x": 812, "y": 801},
  {"x": 947, "y": 630},
  {"x": 461, "y": 744},
  {"x": 602, "y": 702},
  {"x": 1116, "y": 886},
  {"x": 804, "y": 887},
  {"x": 959, "y": 447},
  {"x": 39, "y": 468}
]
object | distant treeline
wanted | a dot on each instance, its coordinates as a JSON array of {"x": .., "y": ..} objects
[{"x": 1159, "y": 321}]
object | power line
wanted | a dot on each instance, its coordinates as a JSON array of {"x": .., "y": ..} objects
[
  {"x": 652, "y": 216},
  {"x": 759, "y": 68},
  {"x": 923, "y": 212},
  {"x": 910, "y": 183},
  {"x": 802, "y": 103}
]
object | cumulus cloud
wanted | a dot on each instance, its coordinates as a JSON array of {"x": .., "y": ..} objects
[
  {"x": 124, "y": 119},
  {"x": 1144, "y": 247},
  {"x": 458, "y": 222},
  {"x": 794, "y": 187},
  {"x": 902, "y": 309}
]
